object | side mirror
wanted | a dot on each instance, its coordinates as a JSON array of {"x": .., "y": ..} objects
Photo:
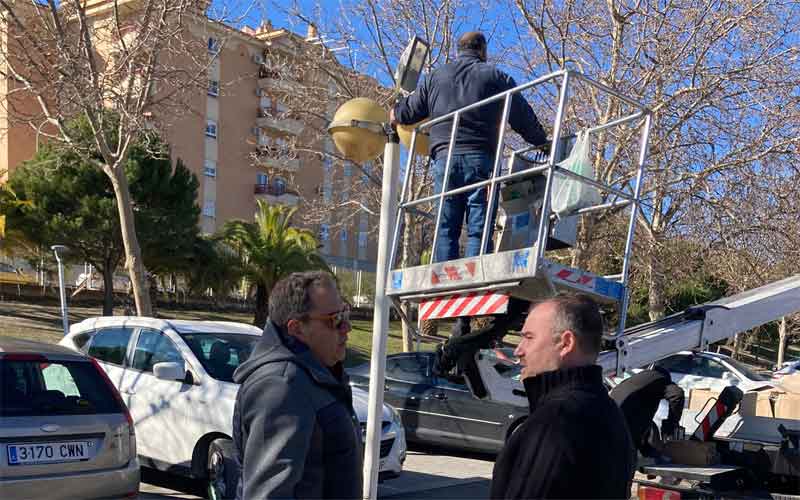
[
  {"x": 730, "y": 377},
  {"x": 170, "y": 371}
]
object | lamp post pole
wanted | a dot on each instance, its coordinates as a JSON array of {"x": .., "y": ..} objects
[
  {"x": 380, "y": 319},
  {"x": 62, "y": 291}
]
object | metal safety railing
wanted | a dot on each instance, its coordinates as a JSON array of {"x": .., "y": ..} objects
[{"x": 548, "y": 169}]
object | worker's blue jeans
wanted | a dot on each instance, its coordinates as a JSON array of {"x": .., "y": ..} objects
[{"x": 465, "y": 169}]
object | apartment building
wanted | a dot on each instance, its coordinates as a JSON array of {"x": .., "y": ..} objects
[{"x": 237, "y": 138}]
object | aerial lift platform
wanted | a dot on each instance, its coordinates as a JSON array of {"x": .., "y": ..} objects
[{"x": 481, "y": 285}]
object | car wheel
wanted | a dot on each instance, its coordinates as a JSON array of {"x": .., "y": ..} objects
[{"x": 222, "y": 472}]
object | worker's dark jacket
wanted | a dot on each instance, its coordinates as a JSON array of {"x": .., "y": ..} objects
[
  {"x": 457, "y": 84},
  {"x": 574, "y": 444},
  {"x": 294, "y": 429},
  {"x": 639, "y": 396}
]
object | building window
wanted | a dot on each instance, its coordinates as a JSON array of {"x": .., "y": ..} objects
[
  {"x": 327, "y": 164},
  {"x": 262, "y": 179},
  {"x": 211, "y": 128},
  {"x": 213, "y": 45},
  {"x": 280, "y": 107},
  {"x": 209, "y": 209},
  {"x": 324, "y": 232},
  {"x": 348, "y": 169},
  {"x": 362, "y": 239},
  {"x": 213, "y": 88},
  {"x": 210, "y": 168},
  {"x": 343, "y": 235}
]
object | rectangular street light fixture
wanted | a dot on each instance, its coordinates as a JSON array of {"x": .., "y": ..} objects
[{"x": 410, "y": 66}]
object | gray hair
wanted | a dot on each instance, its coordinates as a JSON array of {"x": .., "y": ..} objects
[
  {"x": 580, "y": 314},
  {"x": 291, "y": 297}
]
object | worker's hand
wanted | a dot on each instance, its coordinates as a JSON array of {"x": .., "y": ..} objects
[{"x": 392, "y": 118}]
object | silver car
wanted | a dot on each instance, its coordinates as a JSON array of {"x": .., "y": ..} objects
[{"x": 64, "y": 430}]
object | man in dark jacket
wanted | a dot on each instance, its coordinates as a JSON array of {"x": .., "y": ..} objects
[
  {"x": 639, "y": 395},
  {"x": 574, "y": 443},
  {"x": 294, "y": 429},
  {"x": 466, "y": 81}
]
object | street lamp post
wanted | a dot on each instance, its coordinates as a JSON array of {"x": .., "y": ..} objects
[
  {"x": 61, "y": 288},
  {"x": 360, "y": 131}
]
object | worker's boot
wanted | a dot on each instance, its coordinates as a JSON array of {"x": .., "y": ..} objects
[{"x": 459, "y": 350}]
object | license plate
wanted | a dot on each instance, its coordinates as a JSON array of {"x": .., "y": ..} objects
[{"x": 42, "y": 453}]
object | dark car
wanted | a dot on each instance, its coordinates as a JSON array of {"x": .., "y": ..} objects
[{"x": 439, "y": 411}]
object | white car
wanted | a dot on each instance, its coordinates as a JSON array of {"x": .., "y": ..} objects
[
  {"x": 709, "y": 370},
  {"x": 176, "y": 378},
  {"x": 788, "y": 368}
]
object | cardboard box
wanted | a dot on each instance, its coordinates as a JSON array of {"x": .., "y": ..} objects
[
  {"x": 690, "y": 452},
  {"x": 699, "y": 397},
  {"x": 757, "y": 403},
  {"x": 787, "y": 405},
  {"x": 790, "y": 383}
]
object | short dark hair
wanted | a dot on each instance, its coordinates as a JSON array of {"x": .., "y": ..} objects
[
  {"x": 472, "y": 40},
  {"x": 291, "y": 297},
  {"x": 580, "y": 314}
]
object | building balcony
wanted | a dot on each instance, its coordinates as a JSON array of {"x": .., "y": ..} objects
[
  {"x": 280, "y": 123},
  {"x": 280, "y": 162},
  {"x": 276, "y": 195},
  {"x": 279, "y": 83}
]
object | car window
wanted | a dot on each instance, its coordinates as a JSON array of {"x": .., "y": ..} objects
[
  {"x": 154, "y": 347},
  {"x": 220, "y": 353},
  {"x": 677, "y": 364},
  {"x": 81, "y": 341},
  {"x": 408, "y": 369},
  {"x": 457, "y": 384},
  {"x": 44, "y": 388},
  {"x": 746, "y": 371},
  {"x": 709, "y": 368},
  {"x": 110, "y": 344}
]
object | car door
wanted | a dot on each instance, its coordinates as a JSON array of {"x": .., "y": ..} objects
[
  {"x": 159, "y": 407},
  {"x": 409, "y": 389},
  {"x": 469, "y": 422},
  {"x": 109, "y": 346}
]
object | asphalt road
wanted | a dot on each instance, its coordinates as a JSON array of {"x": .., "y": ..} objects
[{"x": 427, "y": 474}]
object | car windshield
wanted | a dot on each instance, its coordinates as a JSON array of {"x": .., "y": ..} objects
[
  {"x": 746, "y": 371},
  {"x": 221, "y": 353},
  {"x": 46, "y": 388}
]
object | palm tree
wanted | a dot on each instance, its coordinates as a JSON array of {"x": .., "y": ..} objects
[{"x": 269, "y": 249}]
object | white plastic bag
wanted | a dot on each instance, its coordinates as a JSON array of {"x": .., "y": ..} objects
[{"x": 570, "y": 195}]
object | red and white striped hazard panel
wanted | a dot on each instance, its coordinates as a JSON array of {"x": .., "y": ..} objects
[{"x": 463, "y": 304}]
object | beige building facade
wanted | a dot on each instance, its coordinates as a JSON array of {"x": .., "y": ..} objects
[{"x": 237, "y": 138}]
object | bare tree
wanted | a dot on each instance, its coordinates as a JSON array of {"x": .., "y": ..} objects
[
  {"x": 720, "y": 77},
  {"x": 122, "y": 68}
]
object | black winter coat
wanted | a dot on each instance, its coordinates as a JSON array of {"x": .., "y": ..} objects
[
  {"x": 458, "y": 84},
  {"x": 294, "y": 429},
  {"x": 574, "y": 444}
]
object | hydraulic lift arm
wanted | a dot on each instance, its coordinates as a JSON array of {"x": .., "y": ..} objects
[{"x": 697, "y": 327}]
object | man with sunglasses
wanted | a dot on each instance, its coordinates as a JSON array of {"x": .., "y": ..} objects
[{"x": 294, "y": 429}]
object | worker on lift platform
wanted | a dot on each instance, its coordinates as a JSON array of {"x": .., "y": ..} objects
[{"x": 467, "y": 80}]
